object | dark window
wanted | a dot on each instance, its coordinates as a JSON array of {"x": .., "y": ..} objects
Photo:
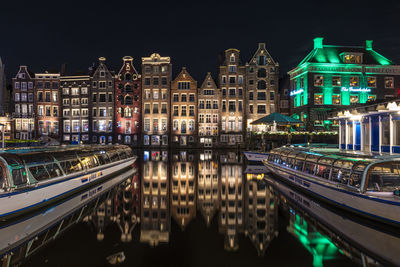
[
  {"x": 251, "y": 96},
  {"x": 146, "y": 81},
  {"x": 128, "y": 88},
  {"x": 164, "y": 81},
  {"x": 155, "y": 81},
  {"x": 103, "y": 98},
  {"x": 128, "y": 77},
  {"x": 261, "y": 96},
  {"x": 261, "y": 60},
  {"x": 261, "y": 85},
  {"x": 262, "y": 73},
  {"x": 191, "y": 98}
]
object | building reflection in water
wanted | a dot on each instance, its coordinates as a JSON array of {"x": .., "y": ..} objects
[
  {"x": 127, "y": 206},
  {"x": 183, "y": 189},
  {"x": 207, "y": 186},
  {"x": 261, "y": 214},
  {"x": 231, "y": 197},
  {"x": 155, "y": 217},
  {"x": 177, "y": 184}
]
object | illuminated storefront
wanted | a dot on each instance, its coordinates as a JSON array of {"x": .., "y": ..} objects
[{"x": 331, "y": 77}]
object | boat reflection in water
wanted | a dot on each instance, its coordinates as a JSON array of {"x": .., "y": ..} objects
[
  {"x": 197, "y": 203},
  {"x": 22, "y": 238},
  {"x": 326, "y": 233}
]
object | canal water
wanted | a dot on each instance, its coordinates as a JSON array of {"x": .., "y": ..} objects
[{"x": 195, "y": 208}]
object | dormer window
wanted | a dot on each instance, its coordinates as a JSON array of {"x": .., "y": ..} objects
[{"x": 352, "y": 58}]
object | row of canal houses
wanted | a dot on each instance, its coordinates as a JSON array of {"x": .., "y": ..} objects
[{"x": 148, "y": 108}]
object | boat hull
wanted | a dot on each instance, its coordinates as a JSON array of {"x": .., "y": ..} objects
[
  {"x": 381, "y": 210},
  {"x": 20, "y": 202}
]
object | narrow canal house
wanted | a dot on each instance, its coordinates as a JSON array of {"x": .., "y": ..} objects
[
  {"x": 47, "y": 104},
  {"x": 184, "y": 110},
  {"x": 156, "y": 79},
  {"x": 262, "y": 78},
  {"x": 75, "y": 108},
  {"x": 371, "y": 128},
  {"x": 102, "y": 104},
  {"x": 128, "y": 97},
  {"x": 209, "y": 98},
  {"x": 231, "y": 79},
  {"x": 332, "y": 77},
  {"x": 24, "y": 112}
]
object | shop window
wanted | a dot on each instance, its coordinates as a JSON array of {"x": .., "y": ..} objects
[
  {"x": 336, "y": 99},
  {"x": 318, "y": 99},
  {"x": 354, "y": 81},
  {"x": 318, "y": 80},
  {"x": 371, "y": 81},
  {"x": 336, "y": 81},
  {"x": 389, "y": 82},
  {"x": 371, "y": 97}
]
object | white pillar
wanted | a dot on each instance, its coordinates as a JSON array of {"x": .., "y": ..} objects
[
  {"x": 361, "y": 136},
  {"x": 354, "y": 135},
  {"x": 346, "y": 133},
  {"x": 340, "y": 135},
  {"x": 380, "y": 134},
  {"x": 390, "y": 132}
]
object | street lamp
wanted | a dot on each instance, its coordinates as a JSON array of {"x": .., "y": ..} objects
[{"x": 3, "y": 127}]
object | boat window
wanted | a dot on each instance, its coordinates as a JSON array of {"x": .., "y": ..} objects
[
  {"x": 325, "y": 161},
  {"x": 290, "y": 162},
  {"x": 355, "y": 179},
  {"x": 384, "y": 177},
  {"x": 86, "y": 160},
  {"x": 64, "y": 155},
  {"x": 113, "y": 155},
  {"x": 298, "y": 165},
  {"x": 39, "y": 172},
  {"x": 309, "y": 167},
  {"x": 323, "y": 171},
  {"x": 67, "y": 167},
  {"x": 122, "y": 154},
  {"x": 3, "y": 183},
  {"x": 36, "y": 158},
  {"x": 19, "y": 176},
  {"x": 53, "y": 170},
  {"x": 340, "y": 175},
  {"x": 103, "y": 158}
]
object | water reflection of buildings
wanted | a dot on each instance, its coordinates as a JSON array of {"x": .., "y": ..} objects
[
  {"x": 127, "y": 206},
  {"x": 261, "y": 214},
  {"x": 183, "y": 201},
  {"x": 207, "y": 186},
  {"x": 231, "y": 196},
  {"x": 102, "y": 216},
  {"x": 155, "y": 217}
]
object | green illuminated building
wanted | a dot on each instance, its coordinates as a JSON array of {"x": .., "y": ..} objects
[{"x": 332, "y": 77}]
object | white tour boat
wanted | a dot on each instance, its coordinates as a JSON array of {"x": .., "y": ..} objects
[
  {"x": 30, "y": 180},
  {"x": 366, "y": 186}
]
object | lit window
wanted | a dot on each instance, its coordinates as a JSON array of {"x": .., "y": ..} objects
[
  {"x": 336, "y": 99},
  {"x": 389, "y": 82},
  {"x": 336, "y": 81},
  {"x": 318, "y": 80},
  {"x": 371, "y": 97},
  {"x": 354, "y": 81},
  {"x": 371, "y": 81},
  {"x": 318, "y": 99},
  {"x": 354, "y": 99}
]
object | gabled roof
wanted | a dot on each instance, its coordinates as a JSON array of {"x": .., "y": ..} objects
[
  {"x": 333, "y": 54},
  {"x": 128, "y": 60},
  {"x": 184, "y": 74},
  {"x": 261, "y": 47},
  {"x": 208, "y": 78}
]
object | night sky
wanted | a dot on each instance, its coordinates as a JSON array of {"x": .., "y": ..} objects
[{"x": 43, "y": 35}]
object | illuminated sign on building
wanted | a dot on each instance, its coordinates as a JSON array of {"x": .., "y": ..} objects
[
  {"x": 359, "y": 90},
  {"x": 296, "y": 92}
]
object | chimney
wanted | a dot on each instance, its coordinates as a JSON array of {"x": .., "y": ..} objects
[
  {"x": 63, "y": 69},
  {"x": 368, "y": 44},
  {"x": 318, "y": 42}
]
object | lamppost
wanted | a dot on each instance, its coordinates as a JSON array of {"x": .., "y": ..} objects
[{"x": 3, "y": 126}]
